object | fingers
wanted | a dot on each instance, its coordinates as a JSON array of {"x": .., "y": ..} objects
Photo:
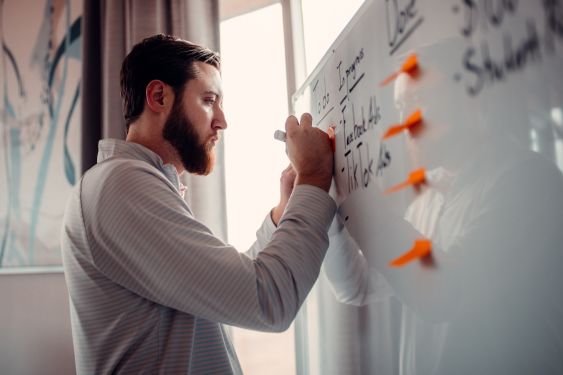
[
  {"x": 309, "y": 150},
  {"x": 289, "y": 171},
  {"x": 306, "y": 119},
  {"x": 291, "y": 124}
]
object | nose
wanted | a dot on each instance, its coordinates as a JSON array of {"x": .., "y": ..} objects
[{"x": 220, "y": 121}]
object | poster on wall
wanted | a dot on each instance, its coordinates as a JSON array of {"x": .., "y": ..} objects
[{"x": 40, "y": 136}]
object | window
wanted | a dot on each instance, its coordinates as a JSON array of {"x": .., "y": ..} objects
[{"x": 254, "y": 82}]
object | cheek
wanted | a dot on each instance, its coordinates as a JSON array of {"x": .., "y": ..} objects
[{"x": 200, "y": 118}]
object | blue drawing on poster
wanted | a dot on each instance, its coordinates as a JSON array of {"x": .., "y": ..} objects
[{"x": 24, "y": 134}]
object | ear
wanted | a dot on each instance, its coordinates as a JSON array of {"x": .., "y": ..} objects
[{"x": 159, "y": 96}]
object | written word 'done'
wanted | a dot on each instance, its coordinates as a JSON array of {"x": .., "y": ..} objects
[{"x": 402, "y": 19}]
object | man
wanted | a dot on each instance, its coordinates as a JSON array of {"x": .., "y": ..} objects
[{"x": 150, "y": 286}]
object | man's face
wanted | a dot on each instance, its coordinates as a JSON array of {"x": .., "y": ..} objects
[{"x": 195, "y": 120}]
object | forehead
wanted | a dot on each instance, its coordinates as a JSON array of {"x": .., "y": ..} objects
[{"x": 207, "y": 78}]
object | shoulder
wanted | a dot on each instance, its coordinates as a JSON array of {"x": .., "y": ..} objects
[
  {"x": 124, "y": 175},
  {"x": 123, "y": 184},
  {"x": 122, "y": 169}
]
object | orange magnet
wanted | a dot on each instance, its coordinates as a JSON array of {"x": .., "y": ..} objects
[
  {"x": 421, "y": 248},
  {"x": 415, "y": 178},
  {"x": 409, "y": 66},
  {"x": 414, "y": 119},
  {"x": 331, "y": 136}
]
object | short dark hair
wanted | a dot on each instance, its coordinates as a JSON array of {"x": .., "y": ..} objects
[{"x": 163, "y": 57}]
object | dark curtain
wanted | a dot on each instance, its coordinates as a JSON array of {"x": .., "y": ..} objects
[{"x": 111, "y": 28}]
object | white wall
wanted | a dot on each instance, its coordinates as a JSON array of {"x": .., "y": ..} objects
[{"x": 35, "y": 333}]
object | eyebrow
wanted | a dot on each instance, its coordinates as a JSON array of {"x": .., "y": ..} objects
[{"x": 212, "y": 92}]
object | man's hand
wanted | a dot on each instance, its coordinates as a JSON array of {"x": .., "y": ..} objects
[
  {"x": 310, "y": 152},
  {"x": 287, "y": 182}
]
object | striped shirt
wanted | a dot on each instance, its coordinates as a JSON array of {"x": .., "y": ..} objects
[{"x": 150, "y": 286}]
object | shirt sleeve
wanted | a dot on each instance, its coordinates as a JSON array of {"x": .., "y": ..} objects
[
  {"x": 263, "y": 236},
  {"x": 350, "y": 278},
  {"x": 143, "y": 237}
]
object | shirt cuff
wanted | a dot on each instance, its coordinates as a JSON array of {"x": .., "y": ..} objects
[
  {"x": 308, "y": 198},
  {"x": 264, "y": 233}
]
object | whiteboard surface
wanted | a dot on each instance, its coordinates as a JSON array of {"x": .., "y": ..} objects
[{"x": 490, "y": 89}]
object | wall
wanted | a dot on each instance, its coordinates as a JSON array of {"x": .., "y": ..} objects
[
  {"x": 35, "y": 325},
  {"x": 40, "y": 73}
]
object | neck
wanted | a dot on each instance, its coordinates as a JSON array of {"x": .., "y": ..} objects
[{"x": 157, "y": 144}]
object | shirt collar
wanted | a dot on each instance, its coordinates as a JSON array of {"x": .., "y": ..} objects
[{"x": 109, "y": 148}]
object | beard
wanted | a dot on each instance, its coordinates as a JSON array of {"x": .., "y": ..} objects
[{"x": 197, "y": 156}]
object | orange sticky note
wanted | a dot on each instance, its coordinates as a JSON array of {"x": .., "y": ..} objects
[
  {"x": 412, "y": 120},
  {"x": 421, "y": 248},
  {"x": 415, "y": 177},
  {"x": 409, "y": 66}
]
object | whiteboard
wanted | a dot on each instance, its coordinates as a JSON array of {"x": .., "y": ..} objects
[{"x": 489, "y": 86}]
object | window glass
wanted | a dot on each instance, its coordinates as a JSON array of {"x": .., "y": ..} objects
[{"x": 254, "y": 82}]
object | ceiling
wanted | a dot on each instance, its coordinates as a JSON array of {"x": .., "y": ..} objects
[{"x": 233, "y": 8}]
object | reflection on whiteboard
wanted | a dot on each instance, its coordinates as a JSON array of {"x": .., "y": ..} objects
[
  {"x": 474, "y": 168},
  {"x": 40, "y": 74}
]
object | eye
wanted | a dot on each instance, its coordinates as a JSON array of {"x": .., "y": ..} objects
[{"x": 210, "y": 97}]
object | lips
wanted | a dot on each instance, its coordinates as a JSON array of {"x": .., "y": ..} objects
[{"x": 212, "y": 141}]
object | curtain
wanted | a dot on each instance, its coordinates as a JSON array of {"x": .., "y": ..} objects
[{"x": 111, "y": 29}]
